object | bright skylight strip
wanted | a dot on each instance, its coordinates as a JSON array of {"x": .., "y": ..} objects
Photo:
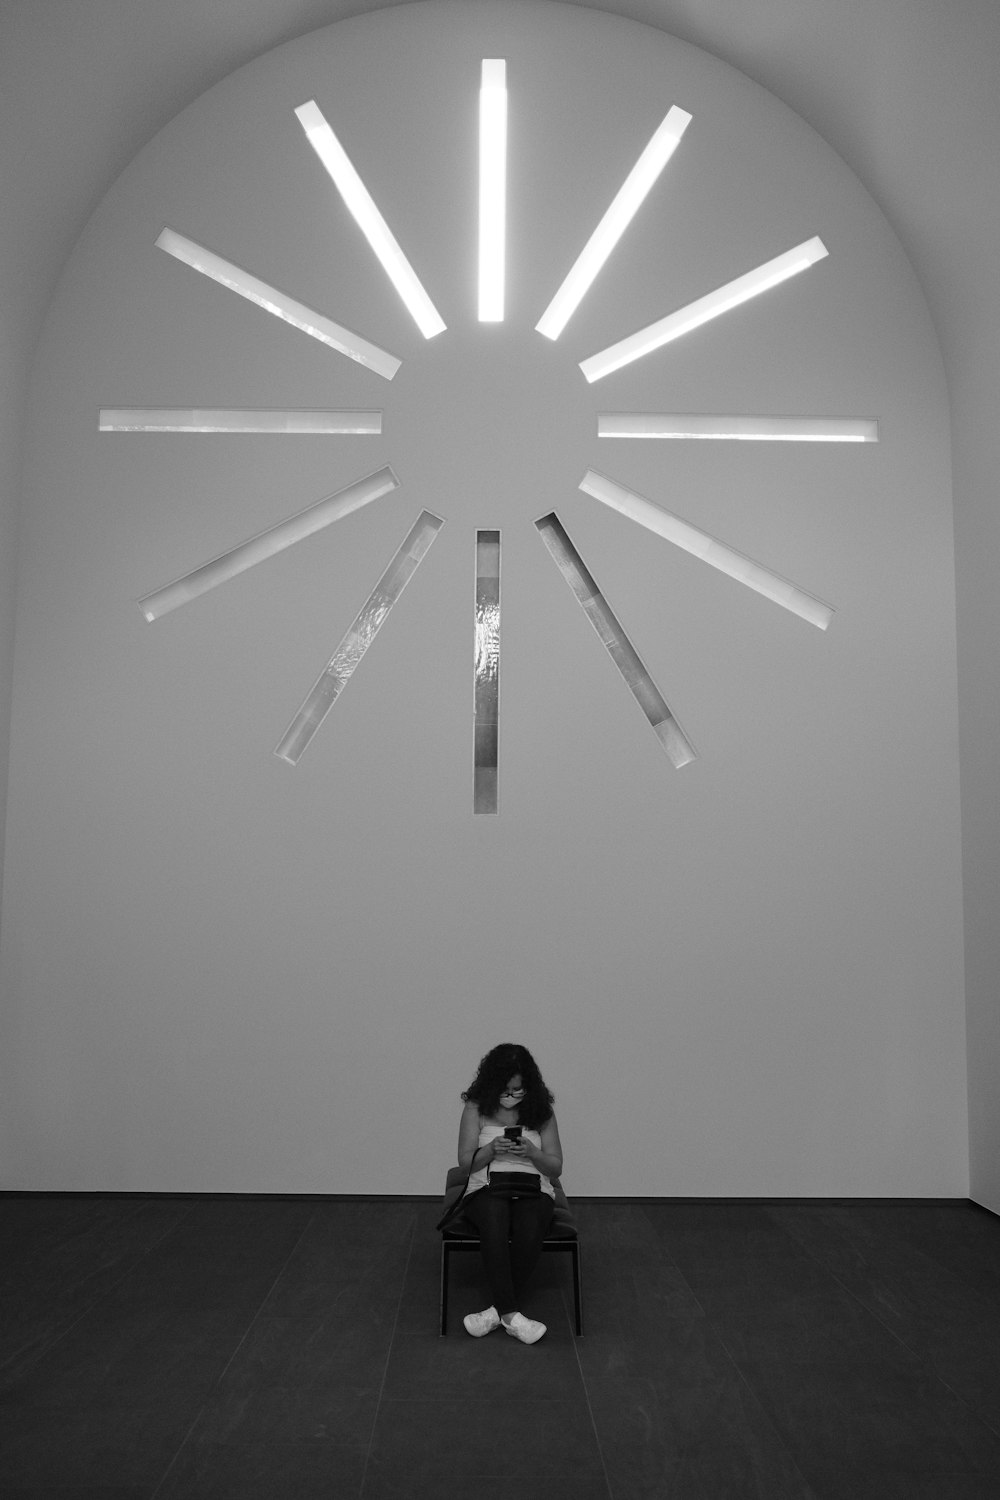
[
  {"x": 701, "y": 545},
  {"x": 492, "y": 189},
  {"x": 268, "y": 543},
  {"x": 615, "y": 641},
  {"x": 305, "y": 319},
  {"x": 705, "y": 308},
  {"x": 743, "y": 429},
  {"x": 219, "y": 419},
  {"x": 616, "y": 220},
  {"x": 371, "y": 223},
  {"x": 338, "y": 671}
]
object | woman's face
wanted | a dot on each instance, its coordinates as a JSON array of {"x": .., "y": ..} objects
[{"x": 513, "y": 1092}]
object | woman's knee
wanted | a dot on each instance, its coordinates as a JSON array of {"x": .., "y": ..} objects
[{"x": 534, "y": 1219}]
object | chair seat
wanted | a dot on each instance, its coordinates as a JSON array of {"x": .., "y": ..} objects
[{"x": 563, "y": 1226}]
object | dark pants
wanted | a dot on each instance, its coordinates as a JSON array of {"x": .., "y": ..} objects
[{"x": 511, "y": 1231}]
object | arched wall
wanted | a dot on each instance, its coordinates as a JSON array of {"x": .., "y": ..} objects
[{"x": 230, "y": 975}]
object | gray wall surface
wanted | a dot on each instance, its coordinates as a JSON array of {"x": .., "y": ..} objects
[{"x": 904, "y": 93}]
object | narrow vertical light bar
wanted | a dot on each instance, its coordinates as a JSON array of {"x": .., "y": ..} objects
[
  {"x": 617, "y": 644},
  {"x": 373, "y": 614},
  {"x": 492, "y": 189},
  {"x": 726, "y": 559},
  {"x": 486, "y": 729},
  {"x": 618, "y": 217},
  {"x": 268, "y": 543},
  {"x": 751, "y": 284},
  {"x": 305, "y": 319},
  {"x": 376, "y": 231},
  {"x": 739, "y": 429}
]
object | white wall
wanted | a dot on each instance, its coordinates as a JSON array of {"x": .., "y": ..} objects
[{"x": 227, "y": 975}]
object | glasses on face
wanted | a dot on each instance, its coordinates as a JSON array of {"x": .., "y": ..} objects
[{"x": 513, "y": 1093}]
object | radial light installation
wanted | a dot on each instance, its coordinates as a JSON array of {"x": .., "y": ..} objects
[{"x": 491, "y": 268}]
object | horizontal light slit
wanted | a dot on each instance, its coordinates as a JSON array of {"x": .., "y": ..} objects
[
  {"x": 366, "y": 215},
  {"x": 616, "y": 220},
  {"x": 701, "y": 545},
  {"x": 705, "y": 308},
  {"x": 486, "y": 695},
  {"x": 305, "y": 319},
  {"x": 219, "y": 419},
  {"x": 343, "y": 663},
  {"x": 615, "y": 641},
  {"x": 745, "y": 429},
  {"x": 268, "y": 543}
]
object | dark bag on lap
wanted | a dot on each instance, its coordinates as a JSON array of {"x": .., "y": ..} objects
[{"x": 514, "y": 1184}]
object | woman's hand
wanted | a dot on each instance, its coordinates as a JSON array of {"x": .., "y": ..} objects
[{"x": 519, "y": 1149}]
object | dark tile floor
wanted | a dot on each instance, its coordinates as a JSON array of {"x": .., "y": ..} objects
[{"x": 153, "y": 1348}]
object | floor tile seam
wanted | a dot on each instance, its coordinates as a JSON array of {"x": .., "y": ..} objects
[
  {"x": 586, "y": 1396},
  {"x": 132, "y": 1259},
  {"x": 967, "y": 1410},
  {"x": 765, "y": 1417},
  {"x": 929, "y": 1261},
  {"x": 95, "y": 1300},
  {"x": 670, "y": 1261},
  {"x": 388, "y": 1356},
  {"x": 905, "y": 1343},
  {"x": 848, "y": 1291},
  {"x": 222, "y": 1373},
  {"x": 67, "y": 1239}
]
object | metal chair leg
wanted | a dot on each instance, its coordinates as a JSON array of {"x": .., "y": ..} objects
[
  {"x": 577, "y": 1289},
  {"x": 444, "y": 1288}
]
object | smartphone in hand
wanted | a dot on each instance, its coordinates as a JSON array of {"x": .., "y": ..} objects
[{"x": 512, "y": 1132}]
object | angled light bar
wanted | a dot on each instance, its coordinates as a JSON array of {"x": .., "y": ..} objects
[
  {"x": 492, "y": 188},
  {"x": 371, "y": 223},
  {"x": 616, "y": 220},
  {"x": 615, "y": 641},
  {"x": 745, "y": 429},
  {"x": 701, "y": 545},
  {"x": 218, "y": 419},
  {"x": 268, "y": 543},
  {"x": 305, "y": 319},
  {"x": 704, "y": 309},
  {"x": 337, "y": 673}
]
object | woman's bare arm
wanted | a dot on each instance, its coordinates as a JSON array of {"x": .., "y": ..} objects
[
  {"x": 548, "y": 1160},
  {"x": 472, "y": 1156}
]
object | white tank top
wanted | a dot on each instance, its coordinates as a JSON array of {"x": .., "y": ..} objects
[{"x": 489, "y": 1132}]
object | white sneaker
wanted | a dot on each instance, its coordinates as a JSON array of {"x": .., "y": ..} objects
[
  {"x": 481, "y": 1323},
  {"x": 525, "y": 1329}
]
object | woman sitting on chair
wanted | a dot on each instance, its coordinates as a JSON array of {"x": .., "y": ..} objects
[{"x": 509, "y": 1144}]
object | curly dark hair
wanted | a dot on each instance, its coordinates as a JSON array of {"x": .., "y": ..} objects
[{"x": 496, "y": 1069}]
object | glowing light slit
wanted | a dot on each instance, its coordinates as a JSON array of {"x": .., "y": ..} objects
[
  {"x": 615, "y": 641},
  {"x": 373, "y": 226},
  {"x": 347, "y": 658},
  {"x": 268, "y": 543},
  {"x": 492, "y": 189},
  {"x": 218, "y": 419},
  {"x": 712, "y": 305},
  {"x": 726, "y": 559},
  {"x": 619, "y": 214},
  {"x": 305, "y": 319},
  {"x": 486, "y": 698},
  {"x": 740, "y": 429}
]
